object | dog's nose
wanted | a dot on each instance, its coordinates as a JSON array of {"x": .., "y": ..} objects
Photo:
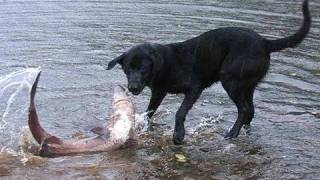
[{"x": 133, "y": 87}]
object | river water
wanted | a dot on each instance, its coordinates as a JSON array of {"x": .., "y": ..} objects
[{"x": 73, "y": 40}]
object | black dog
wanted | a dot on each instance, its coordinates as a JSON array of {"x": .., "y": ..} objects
[{"x": 238, "y": 57}]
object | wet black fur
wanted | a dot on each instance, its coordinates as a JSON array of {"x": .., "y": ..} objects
[{"x": 238, "y": 57}]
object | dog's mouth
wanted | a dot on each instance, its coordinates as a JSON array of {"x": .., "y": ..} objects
[{"x": 136, "y": 91}]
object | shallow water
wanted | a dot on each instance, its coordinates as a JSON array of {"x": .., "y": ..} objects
[{"x": 72, "y": 42}]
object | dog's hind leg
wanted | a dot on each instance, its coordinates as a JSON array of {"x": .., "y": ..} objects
[
  {"x": 241, "y": 93},
  {"x": 248, "y": 96}
]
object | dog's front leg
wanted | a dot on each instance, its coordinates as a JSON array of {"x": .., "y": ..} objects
[
  {"x": 188, "y": 101},
  {"x": 155, "y": 101}
]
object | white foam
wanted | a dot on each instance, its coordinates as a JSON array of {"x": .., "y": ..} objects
[
  {"x": 206, "y": 122},
  {"x": 14, "y": 103}
]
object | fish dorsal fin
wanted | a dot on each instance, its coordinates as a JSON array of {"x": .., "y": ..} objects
[{"x": 99, "y": 130}]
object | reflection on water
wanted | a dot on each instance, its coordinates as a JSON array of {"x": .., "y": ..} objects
[{"x": 73, "y": 40}]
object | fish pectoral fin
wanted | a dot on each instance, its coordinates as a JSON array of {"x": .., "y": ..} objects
[
  {"x": 100, "y": 130},
  {"x": 105, "y": 136}
]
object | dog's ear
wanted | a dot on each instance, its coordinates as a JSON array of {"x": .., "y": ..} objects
[{"x": 117, "y": 60}]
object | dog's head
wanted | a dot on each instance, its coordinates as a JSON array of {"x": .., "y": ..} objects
[{"x": 139, "y": 64}]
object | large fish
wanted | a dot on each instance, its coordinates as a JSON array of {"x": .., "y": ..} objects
[{"x": 111, "y": 137}]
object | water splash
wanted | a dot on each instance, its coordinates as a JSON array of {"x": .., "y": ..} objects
[
  {"x": 141, "y": 122},
  {"x": 208, "y": 122},
  {"x": 14, "y": 99}
]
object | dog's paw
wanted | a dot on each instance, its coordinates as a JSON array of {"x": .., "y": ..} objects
[
  {"x": 177, "y": 141},
  {"x": 232, "y": 134},
  {"x": 178, "y": 138}
]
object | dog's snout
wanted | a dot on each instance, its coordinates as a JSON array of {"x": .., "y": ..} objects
[{"x": 134, "y": 88}]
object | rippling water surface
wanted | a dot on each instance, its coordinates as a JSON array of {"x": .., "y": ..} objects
[{"x": 73, "y": 40}]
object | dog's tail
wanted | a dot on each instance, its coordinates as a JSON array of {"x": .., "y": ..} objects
[{"x": 295, "y": 39}]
